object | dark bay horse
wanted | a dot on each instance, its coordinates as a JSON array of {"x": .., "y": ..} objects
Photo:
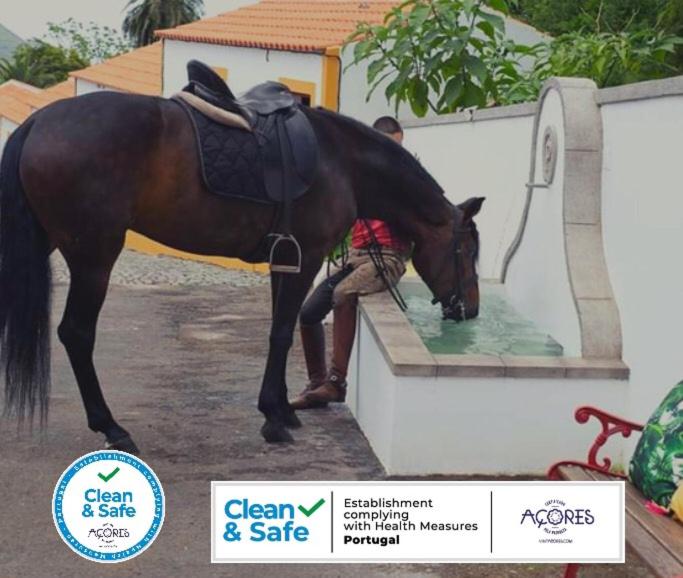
[{"x": 80, "y": 172}]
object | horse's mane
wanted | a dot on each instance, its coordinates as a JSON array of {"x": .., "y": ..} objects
[{"x": 404, "y": 157}]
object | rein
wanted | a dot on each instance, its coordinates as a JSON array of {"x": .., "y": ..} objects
[
  {"x": 375, "y": 252},
  {"x": 455, "y": 301}
]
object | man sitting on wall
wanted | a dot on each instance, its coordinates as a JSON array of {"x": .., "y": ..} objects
[{"x": 340, "y": 291}]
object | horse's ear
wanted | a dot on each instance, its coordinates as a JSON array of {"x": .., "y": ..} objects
[{"x": 471, "y": 207}]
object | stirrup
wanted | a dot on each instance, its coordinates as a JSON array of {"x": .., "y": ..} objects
[{"x": 284, "y": 239}]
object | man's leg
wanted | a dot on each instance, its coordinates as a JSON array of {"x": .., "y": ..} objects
[
  {"x": 313, "y": 312},
  {"x": 363, "y": 280},
  {"x": 313, "y": 343}
]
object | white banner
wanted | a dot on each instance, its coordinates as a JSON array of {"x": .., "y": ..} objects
[{"x": 417, "y": 522}]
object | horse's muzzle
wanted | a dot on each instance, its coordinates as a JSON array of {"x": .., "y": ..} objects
[{"x": 458, "y": 314}]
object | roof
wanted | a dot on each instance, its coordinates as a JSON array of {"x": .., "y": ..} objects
[
  {"x": 17, "y": 88},
  {"x": 138, "y": 71},
  {"x": 18, "y": 99},
  {"x": 8, "y": 42},
  {"x": 64, "y": 89},
  {"x": 295, "y": 25},
  {"x": 13, "y": 108},
  {"x": 15, "y": 100},
  {"x": 59, "y": 91}
]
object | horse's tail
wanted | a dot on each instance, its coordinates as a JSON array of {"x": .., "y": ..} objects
[{"x": 25, "y": 289}]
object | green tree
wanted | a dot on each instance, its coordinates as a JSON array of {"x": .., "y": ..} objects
[
  {"x": 672, "y": 21},
  {"x": 446, "y": 55},
  {"x": 146, "y": 16},
  {"x": 610, "y": 59},
  {"x": 440, "y": 55},
  {"x": 562, "y": 16},
  {"x": 40, "y": 64},
  {"x": 92, "y": 42}
]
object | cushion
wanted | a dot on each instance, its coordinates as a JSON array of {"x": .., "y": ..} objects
[{"x": 656, "y": 468}]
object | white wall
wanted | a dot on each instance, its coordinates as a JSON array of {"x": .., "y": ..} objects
[
  {"x": 353, "y": 93},
  {"x": 522, "y": 33},
  {"x": 86, "y": 87},
  {"x": 537, "y": 282},
  {"x": 643, "y": 232},
  {"x": 246, "y": 66},
  {"x": 488, "y": 158},
  {"x": 642, "y": 223}
]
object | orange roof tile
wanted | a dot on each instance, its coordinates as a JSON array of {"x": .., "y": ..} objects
[
  {"x": 296, "y": 25},
  {"x": 17, "y": 100},
  {"x": 35, "y": 97},
  {"x": 138, "y": 71},
  {"x": 18, "y": 89},
  {"x": 51, "y": 94},
  {"x": 40, "y": 99},
  {"x": 64, "y": 89},
  {"x": 13, "y": 109}
]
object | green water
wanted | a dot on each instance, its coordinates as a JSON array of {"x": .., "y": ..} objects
[{"x": 499, "y": 329}]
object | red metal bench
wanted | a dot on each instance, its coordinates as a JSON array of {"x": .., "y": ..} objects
[{"x": 657, "y": 540}]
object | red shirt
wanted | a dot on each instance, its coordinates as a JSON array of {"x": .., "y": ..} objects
[{"x": 386, "y": 237}]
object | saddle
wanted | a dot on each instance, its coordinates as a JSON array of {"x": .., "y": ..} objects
[
  {"x": 260, "y": 146},
  {"x": 263, "y": 99}
]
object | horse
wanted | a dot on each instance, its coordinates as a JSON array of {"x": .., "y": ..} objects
[{"x": 80, "y": 172}]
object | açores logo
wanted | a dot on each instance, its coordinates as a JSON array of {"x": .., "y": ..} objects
[{"x": 555, "y": 517}]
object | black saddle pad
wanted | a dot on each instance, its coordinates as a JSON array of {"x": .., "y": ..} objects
[{"x": 238, "y": 164}]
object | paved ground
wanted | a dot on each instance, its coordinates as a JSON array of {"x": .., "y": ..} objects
[{"x": 180, "y": 352}]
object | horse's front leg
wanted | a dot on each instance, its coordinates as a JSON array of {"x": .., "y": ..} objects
[{"x": 289, "y": 291}]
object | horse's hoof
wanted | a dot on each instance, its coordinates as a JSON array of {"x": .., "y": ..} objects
[
  {"x": 292, "y": 421},
  {"x": 124, "y": 444},
  {"x": 275, "y": 433}
]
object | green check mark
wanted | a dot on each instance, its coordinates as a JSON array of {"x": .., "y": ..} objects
[
  {"x": 308, "y": 512},
  {"x": 110, "y": 476}
]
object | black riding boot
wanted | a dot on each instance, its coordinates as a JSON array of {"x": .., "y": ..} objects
[
  {"x": 313, "y": 342},
  {"x": 344, "y": 332}
]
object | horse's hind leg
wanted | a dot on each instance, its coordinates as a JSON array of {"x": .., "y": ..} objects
[{"x": 88, "y": 288}]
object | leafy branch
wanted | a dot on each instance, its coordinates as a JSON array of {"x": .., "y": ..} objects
[
  {"x": 449, "y": 55},
  {"x": 437, "y": 54}
]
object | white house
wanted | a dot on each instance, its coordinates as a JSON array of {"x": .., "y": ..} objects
[{"x": 298, "y": 44}]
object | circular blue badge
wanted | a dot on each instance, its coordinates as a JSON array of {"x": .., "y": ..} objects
[{"x": 108, "y": 506}]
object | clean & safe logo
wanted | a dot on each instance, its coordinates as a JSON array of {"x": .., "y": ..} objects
[
  {"x": 267, "y": 522},
  {"x": 108, "y": 506}
]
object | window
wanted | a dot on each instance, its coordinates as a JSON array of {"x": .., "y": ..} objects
[
  {"x": 221, "y": 71},
  {"x": 302, "y": 98},
  {"x": 303, "y": 91}
]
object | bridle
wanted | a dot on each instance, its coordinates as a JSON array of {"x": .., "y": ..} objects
[{"x": 454, "y": 302}]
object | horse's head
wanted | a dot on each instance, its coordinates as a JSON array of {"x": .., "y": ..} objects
[
  {"x": 389, "y": 183},
  {"x": 448, "y": 262}
]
